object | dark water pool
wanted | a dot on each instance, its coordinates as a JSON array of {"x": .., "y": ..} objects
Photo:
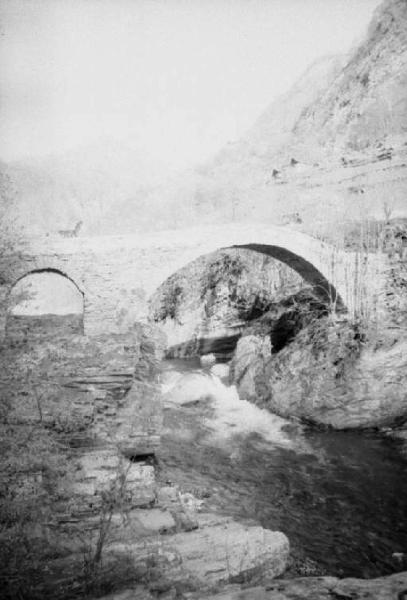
[{"x": 340, "y": 497}]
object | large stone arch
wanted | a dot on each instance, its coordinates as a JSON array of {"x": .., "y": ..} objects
[
  {"x": 187, "y": 333},
  {"x": 328, "y": 270},
  {"x": 322, "y": 286}
]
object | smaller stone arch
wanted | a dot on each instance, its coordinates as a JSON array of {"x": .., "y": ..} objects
[{"x": 9, "y": 315}]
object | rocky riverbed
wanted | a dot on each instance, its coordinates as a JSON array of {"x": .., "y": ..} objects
[
  {"x": 303, "y": 588},
  {"x": 231, "y": 494},
  {"x": 223, "y": 455}
]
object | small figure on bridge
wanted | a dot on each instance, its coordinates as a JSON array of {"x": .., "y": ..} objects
[{"x": 71, "y": 233}]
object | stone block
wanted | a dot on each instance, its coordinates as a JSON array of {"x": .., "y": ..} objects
[
  {"x": 225, "y": 552},
  {"x": 138, "y": 423},
  {"x": 230, "y": 551},
  {"x": 140, "y": 485},
  {"x": 99, "y": 469}
]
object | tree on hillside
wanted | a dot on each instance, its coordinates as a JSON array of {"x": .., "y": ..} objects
[
  {"x": 8, "y": 195},
  {"x": 11, "y": 240}
]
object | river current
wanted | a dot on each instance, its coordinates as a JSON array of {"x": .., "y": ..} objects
[{"x": 340, "y": 497}]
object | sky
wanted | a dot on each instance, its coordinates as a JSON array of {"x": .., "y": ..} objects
[{"x": 179, "y": 78}]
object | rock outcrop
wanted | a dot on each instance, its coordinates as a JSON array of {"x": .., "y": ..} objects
[
  {"x": 327, "y": 375},
  {"x": 323, "y": 588},
  {"x": 81, "y": 419},
  {"x": 330, "y": 150},
  {"x": 366, "y": 104},
  {"x": 220, "y": 551},
  {"x": 252, "y": 354}
]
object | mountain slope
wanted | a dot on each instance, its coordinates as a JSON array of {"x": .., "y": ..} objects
[
  {"x": 367, "y": 103},
  {"x": 348, "y": 102},
  {"x": 335, "y": 146}
]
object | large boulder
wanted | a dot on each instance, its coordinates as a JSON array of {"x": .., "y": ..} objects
[
  {"x": 327, "y": 375},
  {"x": 220, "y": 551},
  {"x": 248, "y": 364}
]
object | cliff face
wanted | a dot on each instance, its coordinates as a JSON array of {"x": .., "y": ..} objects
[
  {"x": 273, "y": 130},
  {"x": 341, "y": 103}
]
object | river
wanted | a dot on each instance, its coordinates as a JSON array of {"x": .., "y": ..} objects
[{"x": 340, "y": 497}]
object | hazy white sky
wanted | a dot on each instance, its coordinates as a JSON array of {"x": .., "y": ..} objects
[{"x": 181, "y": 76}]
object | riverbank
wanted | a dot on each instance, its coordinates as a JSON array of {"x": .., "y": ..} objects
[
  {"x": 337, "y": 495},
  {"x": 214, "y": 501},
  {"x": 304, "y": 588},
  {"x": 85, "y": 506},
  {"x": 204, "y": 453}
]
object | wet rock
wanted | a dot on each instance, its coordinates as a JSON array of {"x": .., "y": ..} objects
[
  {"x": 251, "y": 355},
  {"x": 306, "y": 588},
  {"x": 207, "y": 360},
  {"x": 400, "y": 434},
  {"x": 382, "y": 588},
  {"x": 318, "y": 588},
  {"x": 190, "y": 388},
  {"x": 220, "y": 370}
]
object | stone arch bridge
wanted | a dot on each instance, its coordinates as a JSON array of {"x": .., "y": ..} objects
[{"x": 118, "y": 274}]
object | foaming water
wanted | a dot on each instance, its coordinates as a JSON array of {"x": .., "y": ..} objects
[
  {"x": 338, "y": 496},
  {"x": 235, "y": 418},
  {"x": 230, "y": 417}
]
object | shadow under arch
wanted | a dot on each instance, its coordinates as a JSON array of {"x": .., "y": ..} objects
[
  {"x": 184, "y": 341},
  {"x": 323, "y": 288}
]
